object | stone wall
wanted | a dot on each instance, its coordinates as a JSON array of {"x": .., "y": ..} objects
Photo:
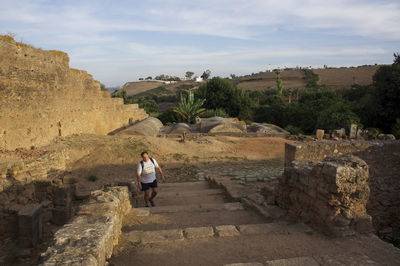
[
  {"x": 330, "y": 195},
  {"x": 42, "y": 98},
  {"x": 383, "y": 159},
  {"x": 91, "y": 236}
]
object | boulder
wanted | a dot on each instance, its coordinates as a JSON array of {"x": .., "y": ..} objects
[
  {"x": 267, "y": 129},
  {"x": 148, "y": 127},
  {"x": 218, "y": 124},
  {"x": 179, "y": 128}
]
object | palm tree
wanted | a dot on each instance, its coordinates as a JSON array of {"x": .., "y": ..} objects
[{"x": 189, "y": 107}]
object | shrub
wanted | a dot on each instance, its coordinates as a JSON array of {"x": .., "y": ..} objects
[
  {"x": 396, "y": 129},
  {"x": 214, "y": 112},
  {"x": 150, "y": 106},
  {"x": 293, "y": 130},
  {"x": 337, "y": 116},
  {"x": 169, "y": 117},
  {"x": 373, "y": 133}
]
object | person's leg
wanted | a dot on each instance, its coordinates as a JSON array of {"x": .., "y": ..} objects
[
  {"x": 153, "y": 193},
  {"x": 147, "y": 197}
]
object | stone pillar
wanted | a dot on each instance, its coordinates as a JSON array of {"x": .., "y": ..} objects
[
  {"x": 30, "y": 225},
  {"x": 62, "y": 200},
  {"x": 320, "y": 134}
]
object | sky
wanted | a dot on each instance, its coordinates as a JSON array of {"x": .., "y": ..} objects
[{"x": 121, "y": 41}]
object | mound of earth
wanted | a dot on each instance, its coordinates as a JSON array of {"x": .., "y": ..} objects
[
  {"x": 179, "y": 128},
  {"x": 220, "y": 125},
  {"x": 267, "y": 129},
  {"x": 148, "y": 127}
]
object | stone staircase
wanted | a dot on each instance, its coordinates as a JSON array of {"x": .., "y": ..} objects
[{"x": 196, "y": 224}]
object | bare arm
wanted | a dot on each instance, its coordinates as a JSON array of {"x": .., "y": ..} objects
[{"x": 161, "y": 172}]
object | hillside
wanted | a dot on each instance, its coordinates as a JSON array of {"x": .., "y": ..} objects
[
  {"x": 331, "y": 77},
  {"x": 139, "y": 87}
]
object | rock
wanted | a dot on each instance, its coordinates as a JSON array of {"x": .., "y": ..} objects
[
  {"x": 266, "y": 129},
  {"x": 68, "y": 179},
  {"x": 297, "y": 261},
  {"x": 198, "y": 232},
  {"x": 226, "y": 230},
  {"x": 220, "y": 125},
  {"x": 179, "y": 128},
  {"x": 320, "y": 134}
]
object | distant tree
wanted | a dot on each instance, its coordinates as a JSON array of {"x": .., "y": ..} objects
[
  {"x": 206, "y": 74},
  {"x": 149, "y": 78},
  {"x": 189, "y": 74},
  {"x": 278, "y": 80},
  {"x": 387, "y": 85},
  {"x": 141, "y": 78},
  {"x": 233, "y": 76},
  {"x": 337, "y": 116},
  {"x": 311, "y": 78},
  {"x": 150, "y": 106},
  {"x": 220, "y": 93},
  {"x": 189, "y": 107}
]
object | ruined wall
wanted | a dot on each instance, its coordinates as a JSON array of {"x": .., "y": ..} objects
[
  {"x": 383, "y": 159},
  {"x": 330, "y": 195},
  {"x": 42, "y": 98},
  {"x": 98, "y": 222}
]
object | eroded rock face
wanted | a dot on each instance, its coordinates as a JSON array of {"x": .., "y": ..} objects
[
  {"x": 91, "y": 236},
  {"x": 330, "y": 195},
  {"x": 42, "y": 98}
]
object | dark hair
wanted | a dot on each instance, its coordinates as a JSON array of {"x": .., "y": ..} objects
[{"x": 143, "y": 153}]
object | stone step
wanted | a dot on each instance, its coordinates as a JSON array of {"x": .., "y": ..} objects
[
  {"x": 160, "y": 236},
  {"x": 187, "y": 199},
  {"x": 164, "y": 221},
  {"x": 165, "y": 193},
  {"x": 203, "y": 207},
  {"x": 184, "y": 186},
  {"x": 261, "y": 245}
]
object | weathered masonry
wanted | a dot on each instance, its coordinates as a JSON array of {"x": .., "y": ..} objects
[
  {"x": 42, "y": 98},
  {"x": 321, "y": 177}
]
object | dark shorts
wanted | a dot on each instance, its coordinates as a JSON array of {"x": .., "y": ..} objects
[{"x": 147, "y": 186}]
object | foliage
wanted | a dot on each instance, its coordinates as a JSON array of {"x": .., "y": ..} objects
[
  {"x": 373, "y": 132},
  {"x": 169, "y": 117},
  {"x": 190, "y": 107},
  {"x": 92, "y": 178},
  {"x": 396, "y": 129},
  {"x": 189, "y": 74},
  {"x": 336, "y": 116},
  {"x": 278, "y": 81},
  {"x": 220, "y": 93},
  {"x": 293, "y": 130},
  {"x": 150, "y": 106},
  {"x": 387, "y": 85},
  {"x": 311, "y": 78},
  {"x": 206, "y": 74},
  {"x": 214, "y": 112}
]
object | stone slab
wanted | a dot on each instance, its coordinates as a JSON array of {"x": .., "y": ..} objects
[
  {"x": 198, "y": 232},
  {"x": 30, "y": 225},
  {"x": 297, "y": 261},
  {"x": 255, "y": 229},
  {"x": 245, "y": 264},
  {"x": 148, "y": 237},
  {"x": 141, "y": 212},
  {"x": 352, "y": 259},
  {"x": 226, "y": 230}
]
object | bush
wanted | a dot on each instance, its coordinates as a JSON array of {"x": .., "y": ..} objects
[
  {"x": 373, "y": 133},
  {"x": 150, "y": 106},
  {"x": 214, "y": 112},
  {"x": 293, "y": 130},
  {"x": 396, "y": 129},
  {"x": 337, "y": 116},
  {"x": 311, "y": 78},
  {"x": 170, "y": 117},
  {"x": 92, "y": 178}
]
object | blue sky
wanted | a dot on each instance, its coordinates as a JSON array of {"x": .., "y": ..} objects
[{"x": 120, "y": 41}]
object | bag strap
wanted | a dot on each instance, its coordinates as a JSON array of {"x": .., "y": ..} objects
[{"x": 142, "y": 163}]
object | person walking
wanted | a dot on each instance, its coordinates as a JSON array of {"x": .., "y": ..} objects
[{"x": 146, "y": 177}]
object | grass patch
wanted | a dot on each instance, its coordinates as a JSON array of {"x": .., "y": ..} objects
[{"x": 92, "y": 178}]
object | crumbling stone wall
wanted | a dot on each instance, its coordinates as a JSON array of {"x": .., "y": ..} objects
[
  {"x": 91, "y": 236},
  {"x": 383, "y": 159},
  {"x": 330, "y": 195},
  {"x": 42, "y": 98}
]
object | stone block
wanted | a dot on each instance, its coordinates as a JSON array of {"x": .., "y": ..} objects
[
  {"x": 297, "y": 261},
  {"x": 148, "y": 237},
  {"x": 30, "y": 225},
  {"x": 320, "y": 134},
  {"x": 61, "y": 215},
  {"x": 226, "y": 230},
  {"x": 62, "y": 195},
  {"x": 256, "y": 229},
  {"x": 198, "y": 232}
]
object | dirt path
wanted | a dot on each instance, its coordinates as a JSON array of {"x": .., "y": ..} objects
[{"x": 195, "y": 224}]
